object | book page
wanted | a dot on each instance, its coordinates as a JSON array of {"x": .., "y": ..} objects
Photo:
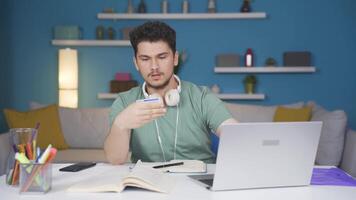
[
  {"x": 115, "y": 181},
  {"x": 109, "y": 181},
  {"x": 145, "y": 177},
  {"x": 189, "y": 166}
]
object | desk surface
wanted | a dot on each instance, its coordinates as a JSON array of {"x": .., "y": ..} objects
[{"x": 184, "y": 189}]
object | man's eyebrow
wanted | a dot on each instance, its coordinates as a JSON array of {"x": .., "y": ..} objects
[
  {"x": 158, "y": 55},
  {"x": 163, "y": 54},
  {"x": 143, "y": 56}
]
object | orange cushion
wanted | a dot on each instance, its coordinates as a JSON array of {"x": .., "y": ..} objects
[
  {"x": 49, "y": 132},
  {"x": 284, "y": 114}
]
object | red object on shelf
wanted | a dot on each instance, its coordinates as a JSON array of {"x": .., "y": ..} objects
[
  {"x": 249, "y": 58},
  {"x": 120, "y": 76}
]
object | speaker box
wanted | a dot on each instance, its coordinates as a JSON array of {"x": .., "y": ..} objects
[
  {"x": 67, "y": 32},
  {"x": 228, "y": 60},
  {"x": 121, "y": 86},
  {"x": 296, "y": 58}
]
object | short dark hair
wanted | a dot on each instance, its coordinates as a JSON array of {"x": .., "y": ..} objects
[{"x": 153, "y": 31}]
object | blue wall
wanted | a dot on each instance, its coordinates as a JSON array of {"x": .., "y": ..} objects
[
  {"x": 325, "y": 27},
  {"x": 4, "y": 62}
]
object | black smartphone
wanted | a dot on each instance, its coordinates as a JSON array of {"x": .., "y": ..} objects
[{"x": 77, "y": 167}]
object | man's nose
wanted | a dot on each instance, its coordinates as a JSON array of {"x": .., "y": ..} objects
[{"x": 154, "y": 64}]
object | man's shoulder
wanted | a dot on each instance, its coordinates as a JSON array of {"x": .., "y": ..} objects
[{"x": 194, "y": 89}]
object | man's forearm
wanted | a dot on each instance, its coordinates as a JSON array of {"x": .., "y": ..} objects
[
  {"x": 117, "y": 145},
  {"x": 228, "y": 121},
  {"x": 133, "y": 116}
]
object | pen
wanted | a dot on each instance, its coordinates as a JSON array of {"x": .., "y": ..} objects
[
  {"x": 29, "y": 152},
  {"x": 21, "y": 157},
  {"x": 9, "y": 178},
  {"x": 14, "y": 148},
  {"x": 168, "y": 165},
  {"x": 34, "y": 153},
  {"x": 38, "y": 153},
  {"x": 42, "y": 159},
  {"x": 15, "y": 175},
  {"x": 21, "y": 148}
]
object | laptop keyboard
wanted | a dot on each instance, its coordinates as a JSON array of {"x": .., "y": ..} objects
[{"x": 207, "y": 181}]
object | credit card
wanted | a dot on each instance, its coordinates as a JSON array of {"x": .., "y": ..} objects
[{"x": 150, "y": 100}]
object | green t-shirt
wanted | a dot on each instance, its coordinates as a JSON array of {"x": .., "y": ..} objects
[{"x": 200, "y": 112}]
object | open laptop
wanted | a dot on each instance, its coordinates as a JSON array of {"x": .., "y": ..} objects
[{"x": 262, "y": 155}]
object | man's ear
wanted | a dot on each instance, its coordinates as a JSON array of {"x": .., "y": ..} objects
[
  {"x": 134, "y": 61},
  {"x": 176, "y": 58}
]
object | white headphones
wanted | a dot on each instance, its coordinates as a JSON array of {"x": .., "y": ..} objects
[{"x": 171, "y": 98}]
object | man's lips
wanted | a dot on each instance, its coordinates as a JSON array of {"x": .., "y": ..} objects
[{"x": 155, "y": 76}]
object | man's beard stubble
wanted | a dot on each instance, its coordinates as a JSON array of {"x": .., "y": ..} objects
[{"x": 161, "y": 86}]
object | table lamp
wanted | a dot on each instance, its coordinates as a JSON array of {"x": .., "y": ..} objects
[{"x": 68, "y": 78}]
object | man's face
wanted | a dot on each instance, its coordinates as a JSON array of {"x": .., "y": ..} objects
[{"x": 155, "y": 61}]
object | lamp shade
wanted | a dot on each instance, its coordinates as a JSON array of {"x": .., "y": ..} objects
[
  {"x": 68, "y": 69},
  {"x": 68, "y": 78},
  {"x": 68, "y": 98}
]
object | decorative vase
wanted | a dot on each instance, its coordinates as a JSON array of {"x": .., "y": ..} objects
[
  {"x": 130, "y": 8},
  {"x": 99, "y": 32},
  {"x": 164, "y": 6},
  {"x": 211, "y": 6},
  {"x": 215, "y": 89},
  {"x": 142, "y": 7},
  {"x": 249, "y": 88},
  {"x": 270, "y": 62},
  {"x": 185, "y": 6},
  {"x": 246, "y": 6},
  {"x": 111, "y": 33}
]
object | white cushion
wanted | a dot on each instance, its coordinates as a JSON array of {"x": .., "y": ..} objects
[
  {"x": 83, "y": 127},
  {"x": 80, "y": 155},
  {"x": 348, "y": 162},
  {"x": 256, "y": 113},
  {"x": 332, "y": 135}
]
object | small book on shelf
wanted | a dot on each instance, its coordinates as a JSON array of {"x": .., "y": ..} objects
[{"x": 140, "y": 176}]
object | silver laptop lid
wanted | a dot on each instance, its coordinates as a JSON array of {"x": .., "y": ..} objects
[{"x": 259, "y": 155}]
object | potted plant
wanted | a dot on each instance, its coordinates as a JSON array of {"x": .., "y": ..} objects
[
  {"x": 270, "y": 62},
  {"x": 250, "y": 82},
  {"x": 245, "y": 6},
  {"x": 183, "y": 56}
]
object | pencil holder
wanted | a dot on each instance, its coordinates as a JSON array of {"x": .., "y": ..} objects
[
  {"x": 35, "y": 178},
  {"x": 20, "y": 140}
]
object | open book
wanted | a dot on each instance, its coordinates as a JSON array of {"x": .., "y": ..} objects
[
  {"x": 140, "y": 176},
  {"x": 185, "y": 166}
]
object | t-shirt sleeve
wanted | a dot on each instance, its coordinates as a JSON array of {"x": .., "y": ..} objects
[
  {"x": 214, "y": 109},
  {"x": 116, "y": 108}
]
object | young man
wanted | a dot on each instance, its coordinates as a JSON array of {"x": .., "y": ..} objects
[{"x": 177, "y": 126}]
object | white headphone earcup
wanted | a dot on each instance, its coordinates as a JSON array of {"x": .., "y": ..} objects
[{"x": 172, "y": 97}]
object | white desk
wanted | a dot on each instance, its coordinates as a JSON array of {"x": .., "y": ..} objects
[{"x": 185, "y": 189}]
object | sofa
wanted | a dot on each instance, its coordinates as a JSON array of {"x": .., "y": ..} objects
[{"x": 85, "y": 130}]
